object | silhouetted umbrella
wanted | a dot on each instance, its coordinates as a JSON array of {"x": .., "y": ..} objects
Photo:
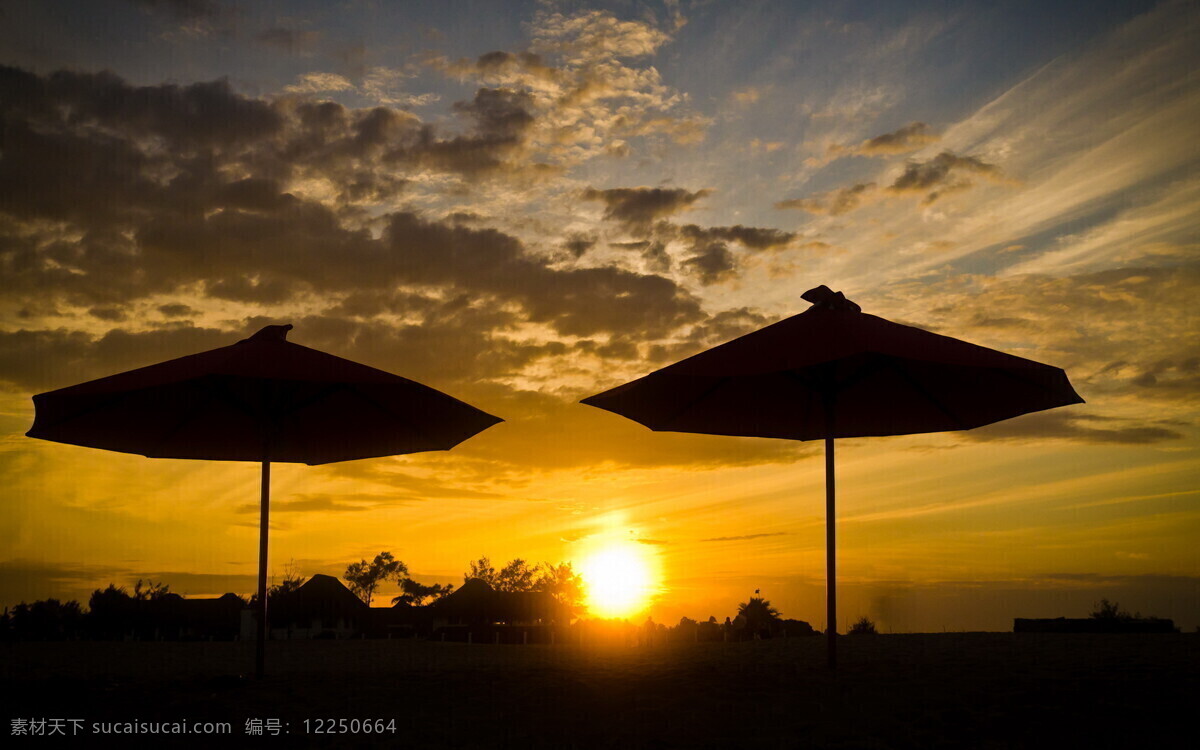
[
  {"x": 835, "y": 372},
  {"x": 262, "y": 399}
]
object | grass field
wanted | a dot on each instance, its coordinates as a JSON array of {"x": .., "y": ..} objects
[{"x": 986, "y": 690}]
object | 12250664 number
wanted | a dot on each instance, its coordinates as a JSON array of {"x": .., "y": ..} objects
[{"x": 350, "y": 726}]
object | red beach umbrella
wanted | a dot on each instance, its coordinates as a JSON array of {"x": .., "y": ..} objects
[
  {"x": 262, "y": 399},
  {"x": 831, "y": 372}
]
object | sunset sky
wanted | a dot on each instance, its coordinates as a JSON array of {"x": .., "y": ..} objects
[{"x": 525, "y": 203}]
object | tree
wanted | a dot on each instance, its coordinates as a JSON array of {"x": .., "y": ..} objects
[
  {"x": 292, "y": 580},
  {"x": 152, "y": 591},
  {"x": 364, "y": 578},
  {"x": 1106, "y": 610},
  {"x": 517, "y": 576},
  {"x": 481, "y": 569},
  {"x": 864, "y": 626},
  {"x": 563, "y": 583},
  {"x": 758, "y": 614},
  {"x": 46, "y": 620},
  {"x": 415, "y": 593},
  {"x": 111, "y": 611}
]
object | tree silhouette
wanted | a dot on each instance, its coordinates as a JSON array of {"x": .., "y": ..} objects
[
  {"x": 415, "y": 593},
  {"x": 45, "y": 620},
  {"x": 292, "y": 580},
  {"x": 111, "y": 611},
  {"x": 563, "y": 583},
  {"x": 364, "y": 578},
  {"x": 864, "y": 626},
  {"x": 517, "y": 575},
  {"x": 1106, "y": 610},
  {"x": 758, "y": 614},
  {"x": 151, "y": 592},
  {"x": 481, "y": 569}
]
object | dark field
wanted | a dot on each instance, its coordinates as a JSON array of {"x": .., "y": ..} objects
[{"x": 987, "y": 690}]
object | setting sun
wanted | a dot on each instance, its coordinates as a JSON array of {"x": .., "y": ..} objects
[{"x": 618, "y": 580}]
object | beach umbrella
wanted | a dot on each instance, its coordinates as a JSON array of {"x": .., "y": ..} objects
[
  {"x": 263, "y": 399},
  {"x": 831, "y": 372}
]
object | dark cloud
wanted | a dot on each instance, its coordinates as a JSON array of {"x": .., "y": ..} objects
[
  {"x": 290, "y": 41},
  {"x": 43, "y": 359},
  {"x": 719, "y": 328},
  {"x": 638, "y": 208},
  {"x": 112, "y": 314},
  {"x": 711, "y": 263},
  {"x": 143, "y": 191},
  {"x": 941, "y": 174},
  {"x": 507, "y": 65},
  {"x": 545, "y": 432},
  {"x": 1124, "y": 332},
  {"x": 710, "y": 260},
  {"x": 31, "y": 580},
  {"x": 744, "y": 537},
  {"x": 183, "y": 10},
  {"x": 1064, "y": 425},
  {"x": 833, "y": 203},
  {"x": 177, "y": 310},
  {"x": 654, "y": 252},
  {"x": 754, "y": 238},
  {"x": 578, "y": 244},
  {"x": 306, "y": 503},
  {"x": 908, "y": 138}
]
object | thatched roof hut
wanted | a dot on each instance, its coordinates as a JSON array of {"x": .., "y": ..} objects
[{"x": 476, "y": 602}]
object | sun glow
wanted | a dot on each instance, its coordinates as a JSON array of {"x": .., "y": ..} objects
[{"x": 619, "y": 580}]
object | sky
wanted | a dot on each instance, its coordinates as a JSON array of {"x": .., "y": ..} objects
[{"x": 526, "y": 203}]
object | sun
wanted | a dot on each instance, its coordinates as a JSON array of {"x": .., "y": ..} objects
[{"x": 618, "y": 580}]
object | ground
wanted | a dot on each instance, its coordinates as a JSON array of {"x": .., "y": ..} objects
[{"x": 952, "y": 690}]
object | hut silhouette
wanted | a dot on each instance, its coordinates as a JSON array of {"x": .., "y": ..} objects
[
  {"x": 322, "y": 607},
  {"x": 477, "y": 609}
]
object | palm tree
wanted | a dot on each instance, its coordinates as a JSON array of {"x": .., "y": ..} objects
[{"x": 758, "y": 614}]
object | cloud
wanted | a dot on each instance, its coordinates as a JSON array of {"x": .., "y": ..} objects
[
  {"x": 595, "y": 37},
  {"x": 130, "y": 200},
  {"x": 834, "y": 202},
  {"x": 309, "y": 502},
  {"x": 744, "y": 537},
  {"x": 588, "y": 95},
  {"x": 1061, "y": 425},
  {"x": 747, "y": 95},
  {"x": 941, "y": 174},
  {"x": 711, "y": 264},
  {"x": 1125, "y": 336},
  {"x": 196, "y": 18},
  {"x": 637, "y": 208},
  {"x": 30, "y": 580},
  {"x": 379, "y": 84},
  {"x": 177, "y": 310},
  {"x": 317, "y": 82},
  {"x": 291, "y": 41},
  {"x": 754, "y": 238},
  {"x": 911, "y": 137}
]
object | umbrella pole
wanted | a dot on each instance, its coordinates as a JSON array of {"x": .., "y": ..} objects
[
  {"x": 830, "y": 557},
  {"x": 260, "y": 656}
]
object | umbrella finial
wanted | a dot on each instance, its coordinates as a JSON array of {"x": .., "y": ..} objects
[
  {"x": 825, "y": 297},
  {"x": 271, "y": 333}
]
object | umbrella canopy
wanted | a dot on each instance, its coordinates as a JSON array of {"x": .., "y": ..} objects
[
  {"x": 835, "y": 372},
  {"x": 262, "y": 399},
  {"x": 868, "y": 375}
]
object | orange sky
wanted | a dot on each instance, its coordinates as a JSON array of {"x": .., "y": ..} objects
[{"x": 535, "y": 208}]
